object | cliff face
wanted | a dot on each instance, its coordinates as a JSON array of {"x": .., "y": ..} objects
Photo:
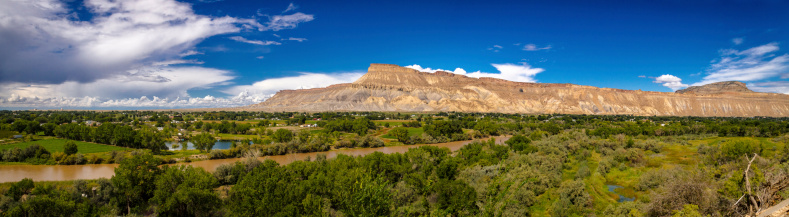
[{"x": 393, "y": 88}]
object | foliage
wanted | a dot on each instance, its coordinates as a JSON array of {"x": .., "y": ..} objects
[
  {"x": 134, "y": 180},
  {"x": 282, "y": 135},
  {"x": 573, "y": 199},
  {"x": 400, "y": 133},
  {"x": 203, "y": 142},
  {"x": 521, "y": 143},
  {"x": 185, "y": 191},
  {"x": 70, "y": 148}
]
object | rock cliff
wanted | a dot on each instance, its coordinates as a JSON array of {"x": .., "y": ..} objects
[{"x": 393, "y": 88}]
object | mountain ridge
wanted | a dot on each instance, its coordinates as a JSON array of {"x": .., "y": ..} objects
[{"x": 389, "y": 87}]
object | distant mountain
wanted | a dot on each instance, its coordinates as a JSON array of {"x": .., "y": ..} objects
[
  {"x": 393, "y": 88},
  {"x": 718, "y": 88}
]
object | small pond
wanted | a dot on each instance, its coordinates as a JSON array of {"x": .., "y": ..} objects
[
  {"x": 218, "y": 145},
  {"x": 621, "y": 192}
]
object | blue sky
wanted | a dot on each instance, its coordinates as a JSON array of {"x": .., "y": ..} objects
[{"x": 165, "y": 53}]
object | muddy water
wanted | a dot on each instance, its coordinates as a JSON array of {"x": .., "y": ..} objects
[{"x": 13, "y": 173}]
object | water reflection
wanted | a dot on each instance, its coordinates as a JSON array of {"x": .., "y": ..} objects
[
  {"x": 622, "y": 198},
  {"x": 218, "y": 145}
]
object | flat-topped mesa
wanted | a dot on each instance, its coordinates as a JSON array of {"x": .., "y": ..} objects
[
  {"x": 393, "y": 88},
  {"x": 718, "y": 88},
  {"x": 396, "y": 76}
]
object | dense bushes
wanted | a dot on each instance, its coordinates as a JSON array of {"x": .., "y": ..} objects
[
  {"x": 34, "y": 154},
  {"x": 113, "y": 134},
  {"x": 358, "y": 126}
]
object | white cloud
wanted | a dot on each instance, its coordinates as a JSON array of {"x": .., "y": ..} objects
[
  {"x": 291, "y": 7},
  {"x": 190, "y": 53},
  {"x": 129, "y": 53},
  {"x": 42, "y": 42},
  {"x": 304, "y": 80},
  {"x": 160, "y": 83},
  {"x": 533, "y": 47},
  {"x": 737, "y": 41},
  {"x": 771, "y": 86},
  {"x": 260, "y": 57},
  {"x": 671, "y": 81},
  {"x": 495, "y": 48},
  {"x": 297, "y": 39},
  {"x": 280, "y": 22},
  {"x": 244, "y": 40},
  {"x": 176, "y": 62},
  {"x": 507, "y": 71},
  {"x": 754, "y": 64}
]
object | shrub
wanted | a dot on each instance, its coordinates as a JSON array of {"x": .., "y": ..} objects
[
  {"x": 735, "y": 149},
  {"x": 282, "y": 135},
  {"x": 70, "y": 148},
  {"x": 573, "y": 199},
  {"x": 400, "y": 133},
  {"x": 583, "y": 171},
  {"x": 521, "y": 143}
]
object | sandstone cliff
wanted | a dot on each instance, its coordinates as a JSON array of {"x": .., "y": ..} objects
[{"x": 394, "y": 88}]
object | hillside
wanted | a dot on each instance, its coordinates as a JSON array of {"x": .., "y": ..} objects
[{"x": 393, "y": 88}]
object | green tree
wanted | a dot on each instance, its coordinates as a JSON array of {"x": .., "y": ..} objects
[
  {"x": 456, "y": 197},
  {"x": 134, "y": 181},
  {"x": 401, "y": 133},
  {"x": 521, "y": 143},
  {"x": 573, "y": 199},
  {"x": 20, "y": 188},
  {"x": 70, "y": 147},
  {"x": 282, "y": 135},
  {"x": 487, "y": 128},
  {"x": 203, "y": 142},
  {"x": 186, "y": 191}
]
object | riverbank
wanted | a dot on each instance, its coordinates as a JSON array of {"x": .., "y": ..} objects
[{"x": 14, "y": 173}]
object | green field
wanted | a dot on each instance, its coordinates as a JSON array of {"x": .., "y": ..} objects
[
  {"x": 227, "y": 136},
  {"x": 411, "y": 132},
  {"x": 56, "y": 145}
]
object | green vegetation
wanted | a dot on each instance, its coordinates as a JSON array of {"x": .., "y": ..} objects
[
  {"x": 203, "y": 142},
  {"x": 552, "y": 165},
  {"x": 58, "y": 145}
]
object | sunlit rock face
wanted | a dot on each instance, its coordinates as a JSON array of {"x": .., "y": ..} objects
[{"x": 393, "y": 88}]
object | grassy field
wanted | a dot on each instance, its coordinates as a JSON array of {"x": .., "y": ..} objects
[
  {"x": 226, "y": 136},
  {"x": 56, "y": 145}
]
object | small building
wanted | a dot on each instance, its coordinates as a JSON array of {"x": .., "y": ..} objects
[{"x": 18, "y": 136}]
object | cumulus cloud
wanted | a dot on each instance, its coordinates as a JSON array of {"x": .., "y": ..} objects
[
  {"x": 43, "y": 43},
  {"x": 125, "y": 53},
  {"x": 160, "y": 83},
  {"x": 671, "y": 81},
  {"x": 533, "y": 47},
  {"x": 304, "y": 80},
  {"x": 753, "y": 64},
  {"x": 507, "y": 71},
  {"x": 244, "y": 40}
]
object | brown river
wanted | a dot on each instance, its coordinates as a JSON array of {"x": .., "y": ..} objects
[{"x": 14, "y": 173}]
